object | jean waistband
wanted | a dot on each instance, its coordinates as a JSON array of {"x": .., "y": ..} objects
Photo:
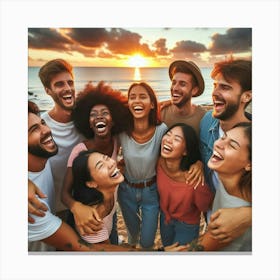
[{"x": 143, "y": 184}]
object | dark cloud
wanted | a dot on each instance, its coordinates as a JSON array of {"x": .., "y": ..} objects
[
  {"x": 116, "y": 41},
  {"x": 160, "y": 46},
  {"x": 124, "y": 42},
  {"x": 46, "y": 38},
  {"x": 187, "y": 47},
  {"x": 89, "y": 37},
  {"x": 235, "y": 40}
]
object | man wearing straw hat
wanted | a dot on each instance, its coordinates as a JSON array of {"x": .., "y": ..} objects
[{"x": 186, "y": 82}]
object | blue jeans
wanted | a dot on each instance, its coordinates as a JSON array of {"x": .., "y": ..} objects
[
  {"x": 140, "y": 209},
  {"x": 176, "y": 231},
  {"x": 114, "y": 238}
]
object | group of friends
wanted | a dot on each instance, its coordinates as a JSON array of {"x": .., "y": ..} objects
[{"x": 168, "y": 163}]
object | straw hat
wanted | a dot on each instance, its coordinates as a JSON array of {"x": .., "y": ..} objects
[{"x": 191, "y": 66}]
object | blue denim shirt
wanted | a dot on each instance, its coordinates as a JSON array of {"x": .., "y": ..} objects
[{"x": 209, "y": 133}]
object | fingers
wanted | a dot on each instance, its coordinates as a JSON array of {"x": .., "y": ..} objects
[
  {"x": 35, "y": 211},
  {"x": 89, "y": 228},
  {"x": 96, "y": 215},
  {"x": 39, "y": 204},
  {"x": 194, "y": 179},
  {"x": 214, "y": 216},
  {"x": 40, "y": 193},
  {"x": 222, "y": 238},
  {"x": 30, "y": 220}
]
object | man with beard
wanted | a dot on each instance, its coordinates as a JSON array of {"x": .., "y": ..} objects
[
  {"x": 186, "y": 82},
  {"x": 57, "y": 78},
  {"x": 41, "y": 147},
  {"x": 231, "y": 95}
]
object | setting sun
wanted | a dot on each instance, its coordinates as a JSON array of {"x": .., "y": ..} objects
[{"x": 137, "y": 60}]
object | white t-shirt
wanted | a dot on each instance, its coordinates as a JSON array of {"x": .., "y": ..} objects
[
  {"x": 49, "y": 224},
  {"x": 66, "y": 137}
]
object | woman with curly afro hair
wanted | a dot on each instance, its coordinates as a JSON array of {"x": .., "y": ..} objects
[{"x": 100, "y": 114}]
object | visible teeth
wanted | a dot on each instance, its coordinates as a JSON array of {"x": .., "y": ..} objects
[
  {"x": 100, "y": 124},
  {"x": 115, "y": 173},
  {"x": 67, "y": 96},
  {"x": 47, "y": 140},
  {"x": 166, "y": 147},
  {"x": 176, "y": 95},
  {"x": 218, "y": 102},
  {"x": 216, "y": 154},
  {"x": 138, "y": 108}
]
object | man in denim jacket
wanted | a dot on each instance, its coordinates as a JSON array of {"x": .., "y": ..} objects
[{"x": 231, "y": 95}]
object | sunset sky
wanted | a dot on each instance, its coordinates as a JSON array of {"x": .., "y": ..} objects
[{"x": 137, "y": 47}]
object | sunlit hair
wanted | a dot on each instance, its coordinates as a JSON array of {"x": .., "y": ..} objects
[
  {"x": 52, "y": 68},
  {"x": 239, "y": 71},
  {"x": 101, "y": 94},
  {"x": 154, "y": 115},
  {"x": 245, "y": 182},
  {"x": 33, "y": 108},
  {"x": 81, "y": 175},
  {"x": 192, "y": 146}
]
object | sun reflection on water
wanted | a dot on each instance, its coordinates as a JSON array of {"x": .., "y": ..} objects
[{"x": 137, "y": 74}]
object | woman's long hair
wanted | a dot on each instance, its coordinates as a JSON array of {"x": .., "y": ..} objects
[
  {"x": 245, "y": 182},
  {"x": 81, "y": 175},
  {"x": 154, "y": 115},
  {"x": 191, "y": 143}
]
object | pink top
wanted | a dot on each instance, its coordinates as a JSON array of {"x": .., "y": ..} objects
[
  {"x": 82, "y": 147},
  {"x": 180, "y": 201},
  {"x": 105, "y": 232}
]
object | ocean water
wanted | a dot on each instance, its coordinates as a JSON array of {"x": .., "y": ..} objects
[{"x": 119, "y": 78}]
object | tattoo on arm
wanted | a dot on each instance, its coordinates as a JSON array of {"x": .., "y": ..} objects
[{"x": 195, "y": 245}]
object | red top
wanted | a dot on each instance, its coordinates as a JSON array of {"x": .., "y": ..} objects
[{"x": 181, "y": 201}]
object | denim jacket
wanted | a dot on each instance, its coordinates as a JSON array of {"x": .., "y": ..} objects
[{"x": 209, "y": 133}]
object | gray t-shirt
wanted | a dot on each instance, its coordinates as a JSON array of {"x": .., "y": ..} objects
[
  {"x": 224, "y": 200},
  {"x": 140, "y": 159}
]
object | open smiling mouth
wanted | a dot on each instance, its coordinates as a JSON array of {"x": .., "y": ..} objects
[
  {"x": 166, "y": 148},
  {"x": 138, "y": 109},
  {"x": 216, "y": 156},
  {"x": 100, "y": 126},
  {"x": 47, "y": 141},
  {"x": 67, "y": 98},
  {"x": 218, "y": 104},
  {"x": 116, "y": 173}
]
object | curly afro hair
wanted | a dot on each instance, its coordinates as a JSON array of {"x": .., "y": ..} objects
[{"x": 105, "y": 95}]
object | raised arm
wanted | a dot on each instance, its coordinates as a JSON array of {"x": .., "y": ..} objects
[
  {"x": 86, "y": 218},
  {"x": 35, "y": 206}
]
